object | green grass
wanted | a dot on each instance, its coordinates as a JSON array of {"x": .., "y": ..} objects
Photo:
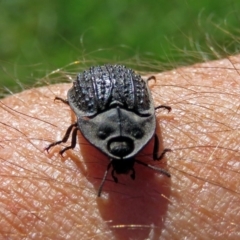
[{"x": 38, "y": 37}]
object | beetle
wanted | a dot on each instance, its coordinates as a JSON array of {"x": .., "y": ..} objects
[{"x": 115, "y": 113}]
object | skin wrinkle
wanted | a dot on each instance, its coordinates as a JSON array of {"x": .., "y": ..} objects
[
  {"x": 51, "y": 190},
  {"x": 59, "y": 196}
]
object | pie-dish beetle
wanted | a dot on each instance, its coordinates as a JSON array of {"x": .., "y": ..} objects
[{"x": 115, "y": 113}]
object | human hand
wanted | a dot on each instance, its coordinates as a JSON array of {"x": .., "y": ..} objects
[{"x": 46, "y": 196}]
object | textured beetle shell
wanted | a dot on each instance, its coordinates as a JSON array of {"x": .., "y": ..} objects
[{"x": 97, "y": 88}]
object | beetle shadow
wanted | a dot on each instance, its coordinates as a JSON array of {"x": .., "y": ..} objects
[{"x": 132, "y": 209}]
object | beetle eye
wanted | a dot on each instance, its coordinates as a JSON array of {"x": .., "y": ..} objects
[{"x": 137, "y": 133}]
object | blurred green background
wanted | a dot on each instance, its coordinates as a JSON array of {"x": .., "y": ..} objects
[{"x": 38, "y": 37}]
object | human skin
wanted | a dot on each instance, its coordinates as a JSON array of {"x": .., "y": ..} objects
[{"x": 46, "y": 196}]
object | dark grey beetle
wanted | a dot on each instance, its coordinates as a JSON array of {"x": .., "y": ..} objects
[{"x": 115, "y": 113}]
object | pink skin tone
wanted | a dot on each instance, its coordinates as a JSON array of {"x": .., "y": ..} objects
[{"x": 44, "y": 195}]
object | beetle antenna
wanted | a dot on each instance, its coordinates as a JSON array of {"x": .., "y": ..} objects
[{"x": 104, "y": 178}]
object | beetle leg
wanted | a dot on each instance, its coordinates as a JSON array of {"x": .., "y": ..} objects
[
  {"x": 73, "y": 142},
  {"x": 155, "y": 149},
  {"x": 160, "y": 106},
  {"x": 133, "y": 173},
  {"x": 65, "y": 138},
  {"x": 114, "y": 177},
  {"x": 163, "y": 154},
  {"x": 62, "y": 100},
  {"x": 151, "y": 78},
  {"x": 104, "y": 178},
  {"x": 164, "y": 106},
  {"x": 154, "y": 168}
]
